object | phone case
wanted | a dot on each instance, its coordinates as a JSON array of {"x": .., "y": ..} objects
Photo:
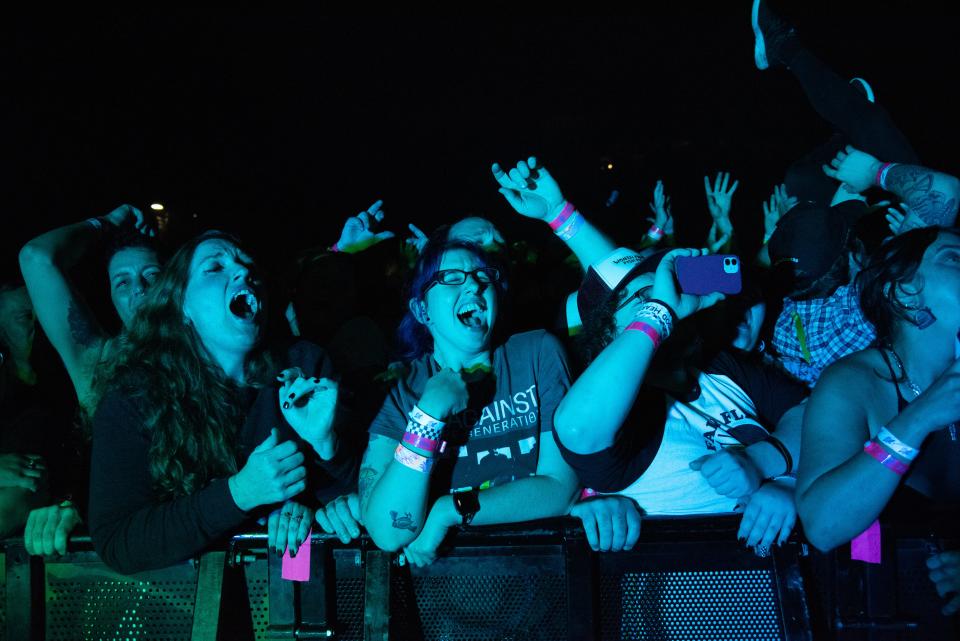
[{"x": 707, "y": 274}]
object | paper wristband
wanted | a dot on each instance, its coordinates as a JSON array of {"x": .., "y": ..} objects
[
  {"x": 557, "y": 222},
  {"x": 420, "y": 442},
  {"x": 570, "y": 230},
  {"x": 409, "y": 458},
  {"x": 875, "y": 450},
  {"x": 885, "y": 437},
  {"x": 422, "y": 418},
  {"x": 882, "y": 173},
  {"x": 646, "y": 329}
]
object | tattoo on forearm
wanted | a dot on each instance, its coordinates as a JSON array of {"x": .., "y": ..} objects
[
  {"x": 915, "y": 185},
  {"x": 403, "y": 521},
  {"x": 81, "y": 329},
  {"x": 368, "y": 478}
]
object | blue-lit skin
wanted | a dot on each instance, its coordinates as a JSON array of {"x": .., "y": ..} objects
[
  {"x": 131, "y": 271},
  {"x": 841, "y": 491},
  {"x": 218, "y": 272},
  {"x": 18, "y": 327},
  {"x": 479, "y": 231}
]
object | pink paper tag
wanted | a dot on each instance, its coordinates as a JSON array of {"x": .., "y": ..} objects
[
  {"x": 297, "y": 568},
  {"x": 866, "y": 547}
]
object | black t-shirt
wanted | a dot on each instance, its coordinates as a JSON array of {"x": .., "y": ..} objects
[
  {"x": 738, "y": 402},
  {"x": 133, "y": 530},
  {"x": 497, "y": 438}
]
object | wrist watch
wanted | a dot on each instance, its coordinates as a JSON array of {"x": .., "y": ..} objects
[{"x": 467, "y": 505}]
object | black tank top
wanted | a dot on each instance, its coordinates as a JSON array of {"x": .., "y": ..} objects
[{"x": 935, "y": 473}]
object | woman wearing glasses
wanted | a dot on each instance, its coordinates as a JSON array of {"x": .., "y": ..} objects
[{"x": 464, "y": 438}]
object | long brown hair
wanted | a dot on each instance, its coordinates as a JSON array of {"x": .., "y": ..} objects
[{"x": 192, "y": 412}]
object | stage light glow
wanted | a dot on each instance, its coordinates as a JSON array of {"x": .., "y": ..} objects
[{"x": 156, "y": 207}]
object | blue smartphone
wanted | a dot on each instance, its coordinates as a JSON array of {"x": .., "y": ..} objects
[{"x": 702, "y": 275}]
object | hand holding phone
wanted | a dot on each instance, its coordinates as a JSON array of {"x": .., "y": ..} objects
[{"x": 701, "y": 275}]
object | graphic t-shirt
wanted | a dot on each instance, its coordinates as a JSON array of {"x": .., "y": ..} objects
[
  {"x": 740, "y": 402},
  {"x": 497, "y": 438}
]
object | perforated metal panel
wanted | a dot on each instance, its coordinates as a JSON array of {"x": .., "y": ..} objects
[
  {"x": 483, "y": 598},
  {"x": 258, "y": 595},
  {"x": 694, "y": 606},
  {"x": 3, "y": 596},
  {"x": 87, "y": 601},
  {"x": 917, "y": 598},
  {"x": 349, "y": 623}
]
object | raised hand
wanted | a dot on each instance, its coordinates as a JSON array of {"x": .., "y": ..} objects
[
  {"x": 666, "y": 289},
  {"x": 857, "y": 170},
  {"x": 360, "y": 231},
  {"x": 773, "y": 210},
  {"x": 309, "y": 405},
  {"x": 419, "y": 240},
  {"x": 130, "y": 216},
  {"x": 660, "y": 206},
  {"x": 530, "y": 190}
]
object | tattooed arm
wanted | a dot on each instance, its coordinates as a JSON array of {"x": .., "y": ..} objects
[
  {"x": 66, "y": 319},
  {"x": 393, "y": 498},
  {"x": 932, "y": 195}
]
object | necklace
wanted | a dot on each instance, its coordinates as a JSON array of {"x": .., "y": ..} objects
[{"x": 952, "y": 427}]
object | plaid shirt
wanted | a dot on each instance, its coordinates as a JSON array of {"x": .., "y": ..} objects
[{"x": 812, "y": 334}]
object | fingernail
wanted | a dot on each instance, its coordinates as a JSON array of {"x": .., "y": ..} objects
[
  {"x": 292, "y": 396},
  {"x": 286, "y": 405},
  {"x": 279, "y": 553},
  {"x": 293, "y": 553}
]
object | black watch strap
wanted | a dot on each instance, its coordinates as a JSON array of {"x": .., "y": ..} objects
[{"x": 467, "y": 505}]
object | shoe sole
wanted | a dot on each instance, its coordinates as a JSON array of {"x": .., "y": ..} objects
[
  {"x": 868, "y": 90},
  {"x": 759, "y": 48}
]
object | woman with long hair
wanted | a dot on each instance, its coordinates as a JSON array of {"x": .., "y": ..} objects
[
  {"x": 880, "y": 433},
  {"x": 190, "y": 438},
  {"x": 465, "y": 436}
]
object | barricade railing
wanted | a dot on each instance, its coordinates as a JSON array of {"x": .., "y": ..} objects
[{"x": 687, "y": 578}]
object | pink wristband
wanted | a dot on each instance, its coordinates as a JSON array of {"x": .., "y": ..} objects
[
  {"x": 885, "y": 459},
  {"x": 646, "y": 329},
  {"x": 655, "y": 232},
  {"x": 420, "y": 442},
  {"x": 409, "y": 458},
  {"x": 557, "y": 222},
  {"x": 880, "y": 173},
  {"x": 570, "y": 229}
]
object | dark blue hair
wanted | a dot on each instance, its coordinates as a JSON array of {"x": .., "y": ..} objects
[{"x": 413, "y": 336}]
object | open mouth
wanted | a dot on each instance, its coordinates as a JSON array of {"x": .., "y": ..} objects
[
  {"x": 471, "y": 314},
  {"x": 244, "y": 305}
]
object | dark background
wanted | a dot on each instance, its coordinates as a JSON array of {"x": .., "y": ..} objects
[{"x": 279, "y": 127}]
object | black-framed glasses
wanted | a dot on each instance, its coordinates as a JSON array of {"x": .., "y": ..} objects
[
  {"x": 483, "y": 275},
  {"x": 641, "y": 294}
]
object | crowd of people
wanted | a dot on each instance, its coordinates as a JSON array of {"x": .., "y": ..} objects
[{"x": 825, "y": 392}]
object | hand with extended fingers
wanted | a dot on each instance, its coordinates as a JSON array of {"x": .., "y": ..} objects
[
  {"x": 857, "y": 170},
  {"x": 530, "y": 190},
  {"x": 773, "y": 210},
  {"x": 129, "y": 216},
  {"x": 309, "y": 405},
  {"x": 903, "y": 219},
  {"x": 662, "y": 214},
  {"x": 719, "y": 201},
  {"x": 288, "y": 527},
  {"x": 360, "y": 231},
  {"x": 418, "y": 240},
  {"x": 665, "y": 287}
]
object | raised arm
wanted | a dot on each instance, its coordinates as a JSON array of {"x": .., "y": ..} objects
[
  {"x": 719, "y": 202},
  {"x": 533, "y": 192},
  {"x": 932, "y": 195},
  {"x": 69, "y": 324},
  {"x": 580, "y": 423}
]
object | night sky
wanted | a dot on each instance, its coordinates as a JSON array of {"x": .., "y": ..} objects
[{"x": 280, "y": 126}]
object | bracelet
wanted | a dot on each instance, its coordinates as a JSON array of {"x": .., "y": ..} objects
[
  {"x": 887, "y": 460},
  {"x": 573, "y": 226},
  {"x": 561, "y": 218},
  {"x": 96, "y": 223},
  {"x": 640, "y": 326},
  {"x": 423, "y": 419},
  {"x": 420, "y": 442},
  {"x": 673, "y": 314},
  {"x": 659, "y": 312},
  {"x": 882, "y": 173},
  {"x": 885, "y": 437},
  {"x": 655, "y": 233},
  {"x": 784, "y": 452},
  {"x": 409, "y": 458}
]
